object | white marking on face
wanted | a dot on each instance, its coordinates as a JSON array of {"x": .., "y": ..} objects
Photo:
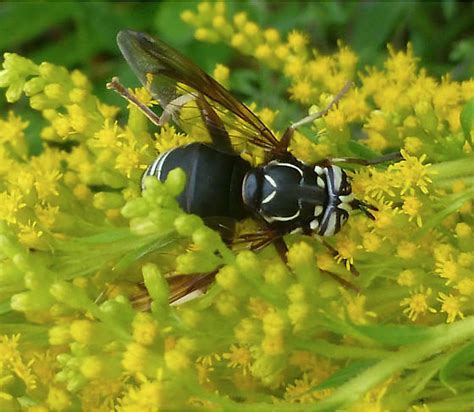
[
  {"x": 286, "y": 218},
  {"x": 314, "y": 224},
  {"x": 331, "y": 226},
  {"x": 345, "y": 206},
  {"x": 292, "y": 166},
  {"x": 320, "y": 182},
  {"x": 270, "y": 180},
  {"x": 295, "y": 231},
  {"x": 318, "y": 210},
  {"x": 319, "y": 170},
  {"x": 269, "y": 197},
  {"x": 268, "y": 219},
  {"x": 346, "y": 198},
  {"x": 337, "y": 177}
]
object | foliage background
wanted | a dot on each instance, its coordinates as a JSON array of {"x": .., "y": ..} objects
[{"x": 82, "y": 35}]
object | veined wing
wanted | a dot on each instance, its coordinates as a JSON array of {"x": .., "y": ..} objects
[{"x": 187, "y": 93}]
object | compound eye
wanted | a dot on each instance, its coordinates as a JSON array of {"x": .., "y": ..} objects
[
  {"x": 343, "y": 218},
  {"x": 345, "y": 189}
]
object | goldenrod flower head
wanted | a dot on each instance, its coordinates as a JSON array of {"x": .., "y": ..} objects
[
  {"x": 297, "y": 41},
  {"x": 58, "y": 399},
  {"x": 418, "y": 303},
  {"x": 452, "y": 306}
]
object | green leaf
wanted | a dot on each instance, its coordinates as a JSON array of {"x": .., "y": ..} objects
[
  {"x": 395, "y": 335},
  {"x": 169, "y": 25},
  {"x": 361, "y": 150},
  {"x": 5, "y": 306},
  {"x": 29, "y": 333},
  {"x": 467, "y": 119},
  {"x": 463, "y": 357},
  {"x": 374, "y": 24},
  {"x": 23, "y": 21},
  {"x": 140, "y": 251},
  {"x": 344, "y": 374}
]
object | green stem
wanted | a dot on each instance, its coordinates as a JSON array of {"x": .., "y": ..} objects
[
  {"x": 443, "y": 337},
  {"x": 461, "y": 168},
  {"x": 330, "y": 350},
  {"x": 448, "y": 183}
]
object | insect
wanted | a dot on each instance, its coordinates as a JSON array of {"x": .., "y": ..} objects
[{"x": 283, "y": 193}]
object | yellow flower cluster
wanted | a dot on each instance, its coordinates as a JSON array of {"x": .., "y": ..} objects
[{"x": 85, "y": 256}]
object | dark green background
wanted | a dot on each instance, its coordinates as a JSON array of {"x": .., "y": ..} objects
[{"x": 82, "y": 35}]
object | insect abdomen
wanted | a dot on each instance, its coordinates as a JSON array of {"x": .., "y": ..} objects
[{"x": 214, "y": 179}]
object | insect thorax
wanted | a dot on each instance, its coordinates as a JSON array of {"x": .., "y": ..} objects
[{"x": 291, "y": 196}]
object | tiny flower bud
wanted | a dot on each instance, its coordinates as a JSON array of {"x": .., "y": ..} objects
[
  {"x": 156, "y": 284},
  {"x": 206, "y": 238},
  {"x": 228, "y": 278},
  {"x": 186, "y": 225},
  {"x": 92, "y": 367},
  {"x": 175, "y": 181},
  {"x": 138, "y": 207},
  {"x": 196, "y": 262},
  {"x": 176, "y": 360},
  {"x": 248, "y": 264},
  {"x": 34, "y": 86}
]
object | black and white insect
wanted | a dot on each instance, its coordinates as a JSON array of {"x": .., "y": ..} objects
[{"x": 283, "y": 193}]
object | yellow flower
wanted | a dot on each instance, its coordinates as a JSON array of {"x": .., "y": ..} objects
[
  {"x": 418, "y": 303},
  {"x": 135, "y": 358},
  {"x": 452, "y": 306},
  {"x": 447, "y": 269},
  {"x": 401, "y": 66},
  {"x": 466, "y": 287},
  {"x": 297, "y": 40},
  {"x": 407, "y": 278},
  {"x": 58, "y": 399},
  {"x": 30, "y": 235},
  {"x": 300, "y": 391},
  {"x": 238, "y": 357},
  {"x": 301, "y": 91},
  {"x": 176, "y": 360},
  {"x": 412, "y": 206},
  {"x": 10, "y": 204},
  {"x": 145, "y": 329},
  {"x": 11, "y": 359},
  {"x": 355, "y": 306},
  {"x": 221, "y": 74},
  {"x": 413, "y": 145},
  {"x": 148, "y": 396},
  {"x": 413, "y": 173},
  {"x": 12, "y": 133}
]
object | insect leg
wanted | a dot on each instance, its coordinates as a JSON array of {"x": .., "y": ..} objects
[
  {"x": 335, "y": 253},
  {"x": 173, "y": 107},
  {"x": 285, "y": 140},
  {"x": 342, "y": 281},
  {"x": 214, "y": 125},
  {"x": 120, "y": 89},
  {"x": 282, "y": 250},
  {"x": 390, "y": 157}
]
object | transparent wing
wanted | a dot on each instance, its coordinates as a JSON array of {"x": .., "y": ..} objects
[{"x": 190, "y": 97}]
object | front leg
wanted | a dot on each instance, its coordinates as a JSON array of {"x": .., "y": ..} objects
[
  {"x": 390, "y": 157},
  {"x": 282, "y": 147},
  {"x": 115, "y": 85}
]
